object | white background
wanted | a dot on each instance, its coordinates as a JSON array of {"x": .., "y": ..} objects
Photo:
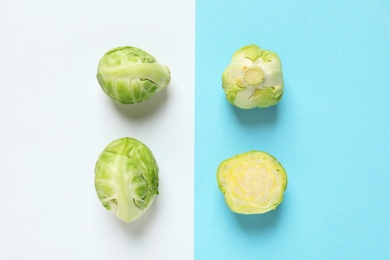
[{"x": 55, "y": 121}]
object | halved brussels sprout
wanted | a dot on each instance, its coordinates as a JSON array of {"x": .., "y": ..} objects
[
  {"x": 126, "y": 178},
  {"x": 252, "y": 182},
  {"x": 130, "y": 75},
  {"x": 254, "y": 78}
]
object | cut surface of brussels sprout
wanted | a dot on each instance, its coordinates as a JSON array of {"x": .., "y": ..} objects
[
  {"x": 126, "y": 178},
  {"x": 254, "y": 78},
  {"x": 252, "y": 182},
  {"x": 130, "y": 75}
]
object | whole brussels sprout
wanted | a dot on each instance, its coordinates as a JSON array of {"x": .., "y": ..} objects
[
  {"x": 126, "y": 178},
  {"x": 254, "y": 78},
  {"x": 130, "y": 75},
  {"x": 252, "y": 182}
]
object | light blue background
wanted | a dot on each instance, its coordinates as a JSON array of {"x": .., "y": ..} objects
[{"x": 331, "y": 130}]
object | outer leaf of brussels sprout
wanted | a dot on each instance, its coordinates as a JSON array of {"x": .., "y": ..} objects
[
  {"x": 130, "y": 75},
  {"x": 254, "y": 78},
  {"x": 252, "y": 182},
  {"x": 126, "y": 178}
]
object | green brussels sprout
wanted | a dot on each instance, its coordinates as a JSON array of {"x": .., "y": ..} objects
[
  {"x": 252, "y": 182},
  {"x": 254, "y": 78},
  {"x": 130, "y": 75},
  {"x": 126, "y": 178}
]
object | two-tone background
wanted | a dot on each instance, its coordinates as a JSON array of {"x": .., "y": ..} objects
[{"x": 331, "y": 130}]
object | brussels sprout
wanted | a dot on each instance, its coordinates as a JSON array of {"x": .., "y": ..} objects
[
  {"x": 126, "y": 178},
  {"x": 130, "y": 75},
  {"x": 254, "y": 78},
  {"x": 252, "y": 182}
]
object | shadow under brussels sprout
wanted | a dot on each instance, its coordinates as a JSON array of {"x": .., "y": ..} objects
[
  {"x": 145, "y": 108},
  {"x": 258, "y": 222},
  {"x": 138, "y": 227},
  {"x": 256, "y": 115}
]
